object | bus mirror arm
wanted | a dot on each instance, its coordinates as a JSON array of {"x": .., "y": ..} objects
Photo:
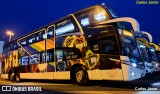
[
  {"x": 149, "y": 35},
  {"x": 132, "y": 21}
]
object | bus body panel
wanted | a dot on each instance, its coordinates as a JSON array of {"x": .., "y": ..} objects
[{"x": 131, "y": 73}]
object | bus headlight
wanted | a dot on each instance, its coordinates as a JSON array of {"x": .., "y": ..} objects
[
  {"x": 132, "y": 73},
  {"x": 134, "y": 64},
  {"x": 156, "y": 64}
]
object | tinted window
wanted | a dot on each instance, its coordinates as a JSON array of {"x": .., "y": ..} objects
[
  {"x": 23, "y": 42},
  {"x": 43, "y": 58},
  {"x": 47, "y": 57},
  {"x": 84, "y": 21},
  {"x": 35, "y": 60},
  {"x": 59, "y": 55},
  {"x": 108, "y": 46},
  {"x": 92, "y": 15},
  {"x": 25, "y": 61},
  {"x": 44, "y": 35},
  {"x": 32, "y": 40},
  {"x": 66, "y": 26},
  {"x": 50, "y": 32},
  {"x": 50, "y": 56},
  {"x": 142, "y": 44},
  {"x": 38, "y": 36},
  {"x": 20, "y": 61}
]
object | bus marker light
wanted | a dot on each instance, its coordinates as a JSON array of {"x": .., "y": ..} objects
[{"x": 134, "y": 64}]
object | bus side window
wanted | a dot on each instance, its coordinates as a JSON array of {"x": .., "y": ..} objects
[
  {"x": 32, "y": 40},
  {"x": 44, "y": 35},
  {"x": 50, "y": 56},
  {"x": 25, "y": 60},
  {"x": 108, "y": 46},
  {"x": 24, "y": 42},
  {"x": 35, "y": 60},
  {"x": 43, "y": 57},
  {"x": 20, "y": 61},
  {"x": 15, "y": 46},
  {"x": 59, "y": 55},
  {"x": 38, "y": 36},
  {"x": 50, "y": 32},
  {"x": 93, "y": 44},
  {"x": 84, "y": 21}
]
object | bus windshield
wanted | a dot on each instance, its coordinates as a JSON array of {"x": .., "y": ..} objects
[
  {"x": 124, "y": 25},
  {"x": 143, "y": 49},
  {"x": 130, "y": 49},
  {"x": 153, "y": 55}
]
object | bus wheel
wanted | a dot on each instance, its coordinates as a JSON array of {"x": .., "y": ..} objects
[
  {"x": 81, "y": 76},
  {"x": 17, "y": 77},
  {"x": 11, "y": 76}
]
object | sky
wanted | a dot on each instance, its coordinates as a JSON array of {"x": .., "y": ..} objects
[{"x": 23, "y": 16}]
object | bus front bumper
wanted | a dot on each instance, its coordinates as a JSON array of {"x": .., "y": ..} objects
[{"x": 132, "y": 73}]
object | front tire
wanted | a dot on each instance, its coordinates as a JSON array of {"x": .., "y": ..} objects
[{"x": 81, "y": 76}]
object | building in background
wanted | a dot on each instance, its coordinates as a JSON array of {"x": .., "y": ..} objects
[{"x": 1, "y": 51}]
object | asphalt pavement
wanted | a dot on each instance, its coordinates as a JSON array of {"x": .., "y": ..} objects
[{"x": 150, "y": 84}]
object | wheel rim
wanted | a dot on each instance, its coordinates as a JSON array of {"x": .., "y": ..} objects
[{"x": 79, "y": 75}]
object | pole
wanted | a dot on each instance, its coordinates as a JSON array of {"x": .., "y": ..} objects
[{"x": 10, "y": 37}]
